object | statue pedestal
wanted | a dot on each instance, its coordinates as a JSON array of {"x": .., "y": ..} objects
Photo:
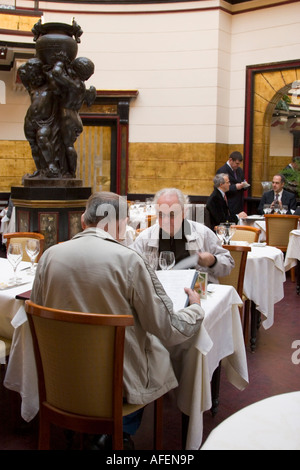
[{"x": 52, "y": 207}]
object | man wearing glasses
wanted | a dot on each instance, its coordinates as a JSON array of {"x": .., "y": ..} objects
[{"x": 174, "y": 232}]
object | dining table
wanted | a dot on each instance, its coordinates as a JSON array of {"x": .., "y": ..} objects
[
  {"x": 263, "y": 286},
  {"x": 292, "y": 256},
  {"x": 269, "y": 424},
  {"x": 9, "y": 306},
  {"x": 220, "y": 339}
]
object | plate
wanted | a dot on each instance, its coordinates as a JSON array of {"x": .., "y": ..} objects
[{"x": 259, "y": 244}]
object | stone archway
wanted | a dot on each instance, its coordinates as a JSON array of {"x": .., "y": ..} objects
[{"x": 265, "y": 86}]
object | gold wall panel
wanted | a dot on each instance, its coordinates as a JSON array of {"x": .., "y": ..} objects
[
  {"x": 275, "y": 80},
  {"x": 17, "y": 22},
  {"x": 15, "y": 162},
  {"x": 188, "y": 166},
  {"x": 94, "y": 149}
]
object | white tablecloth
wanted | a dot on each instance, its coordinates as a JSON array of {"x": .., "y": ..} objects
[
  {"x": 293, "y": 250},
  {"x": 220, "y": 338},
  {"x": 264, "y": 280},
  {"x": 270, "y": 424},
  {"x": 8, "y": 304},
  {"x": 7, "y": 225}
]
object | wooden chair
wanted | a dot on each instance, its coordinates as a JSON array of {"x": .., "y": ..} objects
[
  {"x": 246, "y": 233},
  {"x": 150, "y": 220},
  {"x": 79, "y": 358},
  {"x": 21, "y": 237},
  {"x": 278, "y": 228},
  {"x": 235, "y": 279}
]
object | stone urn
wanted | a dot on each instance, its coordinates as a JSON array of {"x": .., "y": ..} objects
[{"x": 56, "y": 41}]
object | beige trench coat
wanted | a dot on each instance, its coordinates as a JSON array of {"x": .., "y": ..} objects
[{"x": 94, "y": 273}]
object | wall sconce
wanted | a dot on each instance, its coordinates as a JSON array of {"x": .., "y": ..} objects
[{"x": 3, "y": 52}]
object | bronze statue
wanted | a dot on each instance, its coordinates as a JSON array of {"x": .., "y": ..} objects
[{"x": 54, "y": 79}]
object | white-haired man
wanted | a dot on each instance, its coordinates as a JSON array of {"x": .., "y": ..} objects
[{"x": 174, "y": 232}]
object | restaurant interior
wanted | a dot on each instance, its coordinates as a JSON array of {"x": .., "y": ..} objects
[{"x": 178, "y": 86}]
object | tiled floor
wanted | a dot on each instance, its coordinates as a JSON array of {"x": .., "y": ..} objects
[{"x": 271, "y": 372}]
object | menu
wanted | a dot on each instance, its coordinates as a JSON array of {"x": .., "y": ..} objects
[{"x": 174, "y": 282}]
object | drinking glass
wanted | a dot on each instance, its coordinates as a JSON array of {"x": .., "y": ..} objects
[
  {"x": 166, "y": 260},
  {"x": 32, "y": 248},
  {"x": 14, "y": 256},
  {"x": 267, "y": 209},
  {"x": 229, "y": 231},
  {"x": 220, "y": 231},
  {"x": 284, "y": 209},
  {"x": 152, "y": 259}
]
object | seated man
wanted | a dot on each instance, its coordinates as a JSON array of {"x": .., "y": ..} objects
[
  {"x": 278, "y": 196},
  {"x": 217, "y": 204},
  {"x": 184, "y": 237},
  {"x": 95, "y": 273}
]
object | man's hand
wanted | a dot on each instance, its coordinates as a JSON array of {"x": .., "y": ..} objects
[
  {"x": 242, "y": 215},
  {"x": 194, "y": 297}
]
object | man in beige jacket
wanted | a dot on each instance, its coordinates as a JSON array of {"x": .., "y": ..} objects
[{"x": 93, "y": 272}]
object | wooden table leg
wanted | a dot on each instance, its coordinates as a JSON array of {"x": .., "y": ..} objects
[
  {"x": 253, "y": 327},
  {"x": 215, "y": 389}
]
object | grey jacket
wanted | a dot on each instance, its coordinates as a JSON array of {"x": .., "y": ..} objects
[
  {"x": 94, "y": 273},
  {"x": 200, "y": 239}
]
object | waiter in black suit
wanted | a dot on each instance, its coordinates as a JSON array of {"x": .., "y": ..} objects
[
  {"x": 217, "y": 203},
  {"x": 278, "y": 195},
  {"x": 235, "y": 194}
]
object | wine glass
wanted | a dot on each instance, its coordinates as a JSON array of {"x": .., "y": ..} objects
[
  {"x": 229, "y": 231},
  {"x": 220, "y": 232},
  {"x": 284, "y": 209},
  {"x": 32, "y": 248},
  {"x": 152, "y": 259},
  {"x": 267, "y": 209},
  {"x": 166, "y": 260},
  {"x": 14, "y": 256}
]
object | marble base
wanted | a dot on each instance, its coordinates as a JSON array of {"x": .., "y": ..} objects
[
  {"x": 41, "y": 182},
  {"x": 54, "y": 211}
]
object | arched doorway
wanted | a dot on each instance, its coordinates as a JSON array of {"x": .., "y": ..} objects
[{"x": 265, "y": 85}]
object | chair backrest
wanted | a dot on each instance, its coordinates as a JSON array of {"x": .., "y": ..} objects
[
  {"x": 278, "y": 228},
  {"x": 79, "y": 358},
  {"x": 246, "y": 233},
  {"x": 236, "y": 277},
  {"x": 21, "y": 237}
]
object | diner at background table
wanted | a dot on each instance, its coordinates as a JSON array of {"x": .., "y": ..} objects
[{"x": 278, "y": 195}]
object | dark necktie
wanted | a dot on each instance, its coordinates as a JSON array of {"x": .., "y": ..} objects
[
  {"x": 276, "y": 197},
  {"x": 235, "y": 175},
  {"x": 225, "y": 199}
]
